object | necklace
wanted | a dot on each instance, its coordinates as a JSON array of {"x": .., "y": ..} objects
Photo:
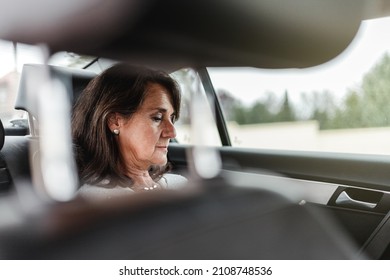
[{"x": 155, "y": 186}]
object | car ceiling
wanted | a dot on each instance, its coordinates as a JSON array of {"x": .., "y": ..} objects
[{"x": 177, "y": 33}]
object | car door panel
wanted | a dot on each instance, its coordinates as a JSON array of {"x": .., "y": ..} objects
[{"x": 351, "y": 188}]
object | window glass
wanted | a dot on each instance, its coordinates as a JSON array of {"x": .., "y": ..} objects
[
  {"x": 13, "y": 56},
  {"x": 340, "y": 106},
  {"x": 196, "y": 125}
]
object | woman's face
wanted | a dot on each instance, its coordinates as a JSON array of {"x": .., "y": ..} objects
[{"x": 144, "y": 138}]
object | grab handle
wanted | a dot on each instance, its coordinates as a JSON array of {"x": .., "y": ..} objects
[{"x": 345, "y": 200}]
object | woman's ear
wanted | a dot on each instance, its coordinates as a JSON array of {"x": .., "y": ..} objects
[{"x": 113, "y": 121}]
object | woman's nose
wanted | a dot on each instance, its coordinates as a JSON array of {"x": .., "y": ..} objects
[{"x": 169, "y": 130}]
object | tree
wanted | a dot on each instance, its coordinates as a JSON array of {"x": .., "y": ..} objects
[
  {"x": 259, "y": 113},
  {"x": 369, "y": 105},
  {"x": 228, "y": 103},
  {"x": 376, "y": 95},
  {"x": 286, "y": 112},
  {"x": 320, "y": 106},
  {"x": 349, "y": 115},
  {"x": 235, "y": 110},
  {"x": 365, "y": 106}
]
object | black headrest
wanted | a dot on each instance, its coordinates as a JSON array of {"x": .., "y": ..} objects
[
  {"x": 2, "y": 135},
  {"x": 75, "y": 80}
]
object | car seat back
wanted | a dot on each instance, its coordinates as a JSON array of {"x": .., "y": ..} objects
[
  {"x": 5, "y": 178},
  {"x": 210, "y": 220},
  {"x": 75, "y": 80}
]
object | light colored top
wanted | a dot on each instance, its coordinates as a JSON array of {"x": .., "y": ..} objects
[{"x": 92, "y": 192}]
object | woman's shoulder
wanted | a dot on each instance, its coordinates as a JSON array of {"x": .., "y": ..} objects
[
  {"x": 173, "y": 181},
  {"x": 104, "y": 191},
  {"x": 96, "y": 192}
]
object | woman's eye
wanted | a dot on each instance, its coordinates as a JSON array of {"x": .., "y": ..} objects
[{"x": 157, "y": 119}]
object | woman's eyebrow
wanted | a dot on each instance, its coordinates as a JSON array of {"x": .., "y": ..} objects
[{"x": 161, "y": 110}]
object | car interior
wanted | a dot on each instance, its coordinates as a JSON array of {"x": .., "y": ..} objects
[{"x": 240, "y": 203}]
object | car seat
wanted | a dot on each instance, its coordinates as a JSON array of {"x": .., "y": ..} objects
[
  {"x": 74, "y": 79},
  {"x": 5, "y": 179}
]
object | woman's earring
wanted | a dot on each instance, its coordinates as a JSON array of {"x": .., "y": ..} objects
[{"x": 116, "y": 131}]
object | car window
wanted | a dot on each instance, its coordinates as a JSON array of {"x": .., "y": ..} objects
[
  {"x": 340, "y": 106},
  {"x": 205, "y": 131},
  {"x": 12, "y": 58}
]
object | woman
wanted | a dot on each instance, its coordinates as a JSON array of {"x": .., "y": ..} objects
[{"x": 121, "y": 126}]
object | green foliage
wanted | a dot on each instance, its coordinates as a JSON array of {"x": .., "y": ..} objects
[
  {"x": 258, "y": 112},
  {"x": 375, "y": 100},
  {"x": 369, "y": 105},
  {"x": 286, "y": 112}
]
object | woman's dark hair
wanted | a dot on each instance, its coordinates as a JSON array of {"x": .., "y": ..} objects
[{"x": 119, "y": 89}]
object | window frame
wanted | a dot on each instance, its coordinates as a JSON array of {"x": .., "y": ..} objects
[{"x": 219, "y": 115}]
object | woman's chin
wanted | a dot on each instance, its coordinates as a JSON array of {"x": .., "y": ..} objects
[{"x": 162, "y": 161}]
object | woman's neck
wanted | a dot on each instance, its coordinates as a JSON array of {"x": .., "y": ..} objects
[{"x": 141, "y": 178}]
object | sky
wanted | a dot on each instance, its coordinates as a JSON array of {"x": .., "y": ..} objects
[{"x": 343, "y": 72}]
